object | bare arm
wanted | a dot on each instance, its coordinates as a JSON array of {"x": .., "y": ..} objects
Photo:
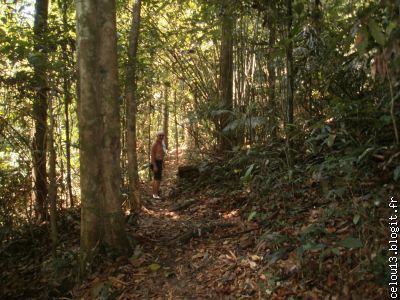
[
  {"x": 153, "y": 156},
  {"x": 153, "y": 153}
]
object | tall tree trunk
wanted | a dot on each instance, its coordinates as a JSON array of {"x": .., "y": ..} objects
[
  {"x": 131, "y": 101},
  {"x": 53, "y": 182},
  {"x": 176, "y": 130},
  {"x": 226, "y": 70},
  {"x": 102, "y": 221},
  {"x": 124, "y": 150},
  {"x": 317, "y": 25},
  {"x": 149, "y": 138},
  {"x": 272, "y": 76},
  {"x": 67, "y": 101},
  {"x": 40, "y": 110},
  {"x": 166, "y": 114},
  {"x": 59, "y": 145},
  {"x": 290, "y": 82},
  {"x": 194, "y": 128},
  {"x": 289, "y": 64}
]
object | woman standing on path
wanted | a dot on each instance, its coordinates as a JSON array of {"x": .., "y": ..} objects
[{"x": 157, "y": 156}]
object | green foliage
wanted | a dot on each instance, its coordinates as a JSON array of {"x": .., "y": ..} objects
[{"x": 13, "y": 201}]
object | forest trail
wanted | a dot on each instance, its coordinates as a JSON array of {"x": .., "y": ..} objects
[
  {"x": 202, "y": 243},
  {"x": 189, "y": 246},
  {"x": 292, "y": 107}
]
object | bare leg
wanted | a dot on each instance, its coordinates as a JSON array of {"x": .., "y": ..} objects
[{"x": 156, "y": 187}]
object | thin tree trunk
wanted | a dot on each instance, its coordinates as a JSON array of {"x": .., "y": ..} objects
[
  {"x": 124, "y": 150},
  {"x": 53, "y": 182},
  {"x": 290, "y": 82},
  {"x": 102, "y": 222},
  {"x": 166, "y": 114},
  {"x": 272, "y": 77},
  {"x": 59, "y": 145},
  {"x": 289, "y": 65},
  {"x": 149, "y": 139},
  {"x": 194, "y": 128},
  {"x": 176, "y": 129},
  {"x": 67, "y": 101},
  {"x": 131, "y": 99},
  {"x": 40, "y": 110}
]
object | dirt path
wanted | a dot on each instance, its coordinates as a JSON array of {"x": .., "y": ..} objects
[{"x": 189, "y": 246}]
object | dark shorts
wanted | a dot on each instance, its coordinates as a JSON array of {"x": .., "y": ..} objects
[{"x": 158, "y": 174}]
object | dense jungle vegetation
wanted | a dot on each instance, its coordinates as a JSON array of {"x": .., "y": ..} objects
[{"x": 281, "y": 119}]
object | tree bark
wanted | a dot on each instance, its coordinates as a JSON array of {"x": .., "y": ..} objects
[
  {"x": 176, "y": 130},
  {"x": 40, "y": 110},
  {"x": 67, "y": 101},
  {"x": 149, "y": 142},
  {"x": 166, "y": 114},
  {"x": 289, "y": 64},
  {"x": 290, "y": 82},
  {"x": 131, "y": 102},
  {"x": 102, "y": 221},
  {"x": 226, "y": 70},
  {"x": 272, "y": 77},
  {"x": 53, "y": 182}
]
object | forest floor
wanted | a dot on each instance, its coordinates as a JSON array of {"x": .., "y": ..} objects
[
  {"x": 191, "y": 245},
  {"x": 207, "y": 243}
]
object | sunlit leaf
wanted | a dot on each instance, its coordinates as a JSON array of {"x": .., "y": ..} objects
[
  {"x": 154, "y": 267},
  {"x": 249, "y": 170},
  {"x": 356, "y": 219},
  {"x": 252, "y": 215}
]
